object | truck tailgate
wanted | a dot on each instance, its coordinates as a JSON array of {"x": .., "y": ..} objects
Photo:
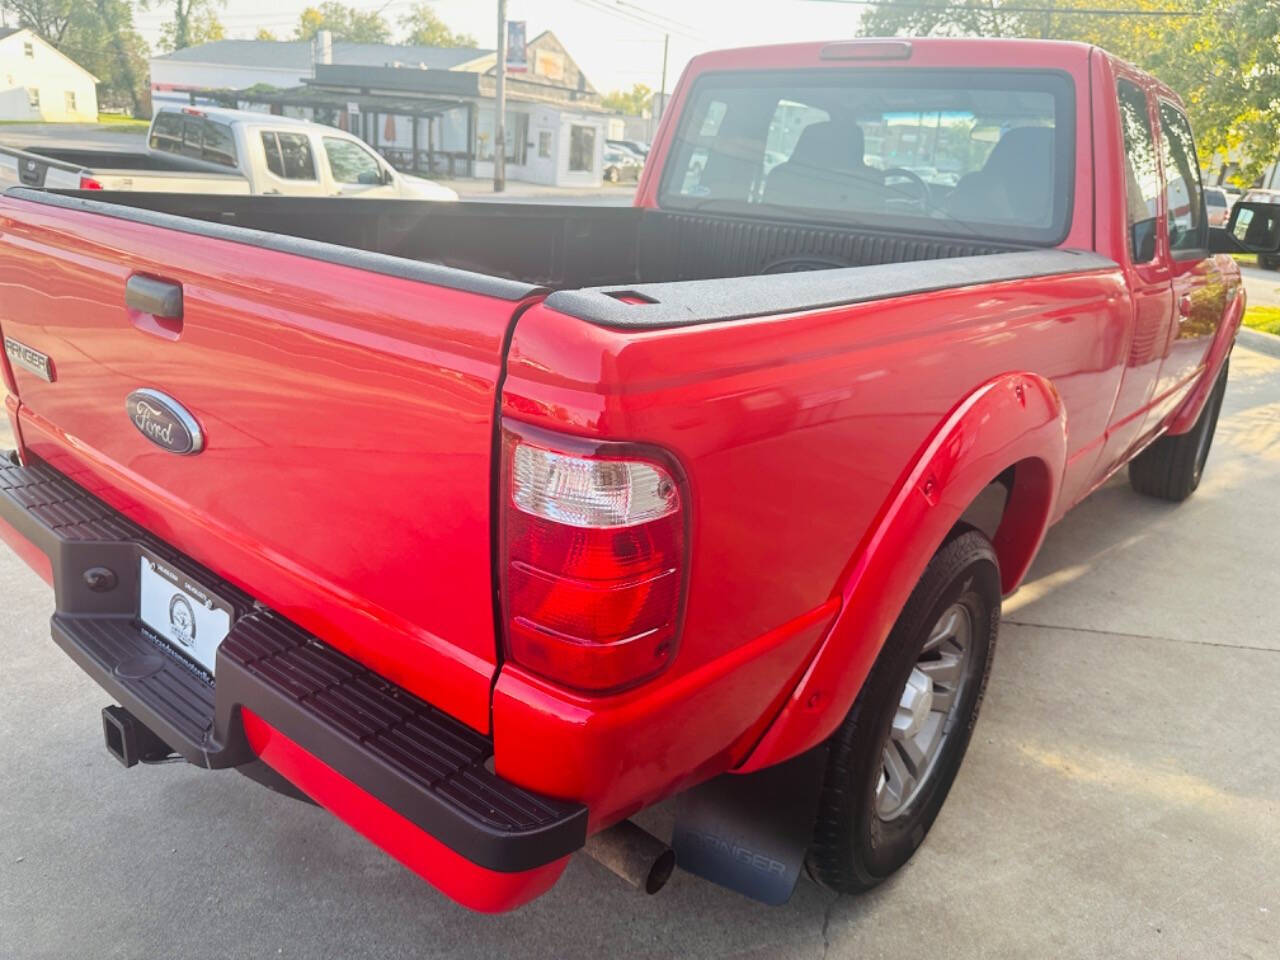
[
  {"x": 347, "y": 412},
  {"x": 177, "y": 181}
]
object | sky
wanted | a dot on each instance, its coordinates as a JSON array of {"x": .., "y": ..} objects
[{"x": 605, "y": 37}]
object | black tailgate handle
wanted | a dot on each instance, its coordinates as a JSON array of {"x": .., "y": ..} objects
[{"x": 159, "y": 298}]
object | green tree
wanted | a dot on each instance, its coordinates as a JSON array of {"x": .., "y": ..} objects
[
  {"x": 194, "y": 21},
  {"x": 198, "y": 26},
  {"x": 634, "y": 102},
  {"x": 344, "y": 22},
  {"x": 1221, "y": 56},
  {"x": 426, "y": 29},
  {"x": 264, "y": 34}
]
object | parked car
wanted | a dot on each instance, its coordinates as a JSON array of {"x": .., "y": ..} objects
[
  {"x": 1218, "y": 206},
  {"x": 641, "y": 150},
  {"x": 486, "y": 527},
  {"x": 620, "y": 165},
  {"x": 215, "y": 150}
]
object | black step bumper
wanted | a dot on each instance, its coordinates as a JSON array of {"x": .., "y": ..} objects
[{"x": 425, "y": 765}]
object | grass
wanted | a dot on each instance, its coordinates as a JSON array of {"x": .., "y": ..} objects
[
  {"x": 122, "y": 123},
  {"x": 1265, "y": 319},
  {"x": 1246, "y": 259},
  {"x": 107, "y": 122}
]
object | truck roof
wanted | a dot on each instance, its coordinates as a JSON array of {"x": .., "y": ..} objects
[
  {"x": 944, "y": 52},
  {"x": 228, "y": 115}
]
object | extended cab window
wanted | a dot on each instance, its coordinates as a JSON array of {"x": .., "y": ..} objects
[
  {"x": 351, "y": 163},
  {"x": 1184, "y": 196},
  {"x": 1142, "y": 175},
  {"x": 959, "y": 152},
  {"x": 289, "y": 155}
]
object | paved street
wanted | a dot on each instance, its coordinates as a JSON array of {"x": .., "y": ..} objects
[
  {"x": 1263, "y": 286},
  {"x": 1120, "y": 798}
]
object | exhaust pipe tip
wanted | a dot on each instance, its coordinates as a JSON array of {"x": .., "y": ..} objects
[
  {"x": 660, "y": 872},
  {"x": 631, "y": 852}
]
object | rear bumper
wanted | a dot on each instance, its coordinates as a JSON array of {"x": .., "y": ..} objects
[{"x": 414, "y": 780}]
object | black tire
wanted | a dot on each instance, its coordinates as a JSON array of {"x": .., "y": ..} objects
[
  {"x": 1171, "y": 468},
  {"x": 854, "y": 847},
  {"x": 1267, "y": 262}
]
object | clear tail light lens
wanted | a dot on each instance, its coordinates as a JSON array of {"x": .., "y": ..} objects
[{"x": 594, "y": 559}]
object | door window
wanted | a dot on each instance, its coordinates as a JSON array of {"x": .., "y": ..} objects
[
  {"x": 351, "y": 163},
  {"x": 289, "y": 155},
  {"x": 582, "y": 149},
  {"x": 1142, "y": 177},
  {"x": 1184, "y": 195}
]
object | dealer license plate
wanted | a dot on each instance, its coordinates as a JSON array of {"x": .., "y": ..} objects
[{"x": 181, "y": 612}]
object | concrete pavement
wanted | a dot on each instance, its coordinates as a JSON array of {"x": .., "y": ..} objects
[
  {"x": 1262, "y": 286},
  {"x": 1119, "y": 798}
]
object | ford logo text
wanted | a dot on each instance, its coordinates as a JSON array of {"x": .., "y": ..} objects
[{"x": 164, "y": 422}]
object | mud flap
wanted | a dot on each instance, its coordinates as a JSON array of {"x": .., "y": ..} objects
[{"x": 750, "y": 833}]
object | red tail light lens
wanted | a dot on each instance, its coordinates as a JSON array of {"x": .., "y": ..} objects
[
  {"x": 594, "y": 560},
  {"x": 88, "y": 183}
]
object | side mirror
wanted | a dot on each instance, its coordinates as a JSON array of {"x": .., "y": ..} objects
[{"x": 1255, "y": 227}]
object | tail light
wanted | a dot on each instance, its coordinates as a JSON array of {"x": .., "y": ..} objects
[
  {"x": 88, "y": 183},
  {"x": 594, "y": 559}
]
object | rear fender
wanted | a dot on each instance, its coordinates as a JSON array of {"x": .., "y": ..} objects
[{"x": 1015, "y": 420}]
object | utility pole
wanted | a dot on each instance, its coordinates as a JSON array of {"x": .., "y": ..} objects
[
  {"x": 500, "y": 110},
  {"x": 662, "y": 88}
]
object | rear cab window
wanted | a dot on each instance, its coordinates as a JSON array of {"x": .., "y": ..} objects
[
  {"x": 197, "y": 137},
  {"x": 972, "y": 153}
]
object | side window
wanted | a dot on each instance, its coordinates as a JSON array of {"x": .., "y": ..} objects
[
  {"x": 350, "y": 162},
  {"x": 1184, "y": 196},
  {"x": 1142, "y": 178},
  {"x": 289, "y": 155},
  {"x": 271, "y": 147}
]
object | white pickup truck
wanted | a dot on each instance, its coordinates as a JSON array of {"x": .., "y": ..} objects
[{"x": 216, "y": 150}]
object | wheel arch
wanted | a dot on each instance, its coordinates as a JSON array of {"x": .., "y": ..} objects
[{"x": 1012, "y": 426}]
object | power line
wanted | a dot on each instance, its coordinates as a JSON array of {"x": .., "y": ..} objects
[
  {"x": 626, "y": 12},
  {"x": 964, "y": 8}
]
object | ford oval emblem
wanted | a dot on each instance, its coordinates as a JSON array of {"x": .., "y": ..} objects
[{"x": 164, "y": 422}]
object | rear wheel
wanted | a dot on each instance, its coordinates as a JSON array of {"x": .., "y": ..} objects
[
  {"x": 1171, "y": 467},
  {"x": 893, "y": 760}
]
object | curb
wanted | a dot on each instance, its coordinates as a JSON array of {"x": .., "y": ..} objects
[{"x": 1261, "y": 342}]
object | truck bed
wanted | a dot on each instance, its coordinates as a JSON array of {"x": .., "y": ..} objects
[
  {"x": 560, "y": 247},
  {"x": 114, "y": 171}
]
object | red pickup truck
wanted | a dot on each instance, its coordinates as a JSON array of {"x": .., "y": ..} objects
[{"x": 487, "y": 526}]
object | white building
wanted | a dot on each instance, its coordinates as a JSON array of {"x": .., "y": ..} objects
[
  {"x": 428, "y": 110},
  {"x": 39, "y": 83}
]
